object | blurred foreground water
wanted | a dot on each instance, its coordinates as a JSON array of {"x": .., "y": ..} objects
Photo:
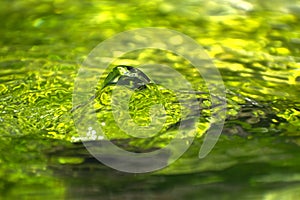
[{"x": 254, "y": 44}]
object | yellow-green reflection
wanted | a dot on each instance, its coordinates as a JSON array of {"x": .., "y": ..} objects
[{"x": 255, "y": 44}]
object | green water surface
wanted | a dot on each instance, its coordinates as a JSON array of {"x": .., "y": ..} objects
[{"x": 255, "y": 45}]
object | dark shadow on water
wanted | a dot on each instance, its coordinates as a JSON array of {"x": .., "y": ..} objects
[{"x": 242, "y": 178}]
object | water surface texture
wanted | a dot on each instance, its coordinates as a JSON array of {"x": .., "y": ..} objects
[{"x": 255, "y": 45}]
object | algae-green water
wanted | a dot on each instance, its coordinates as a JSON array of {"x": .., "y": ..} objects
[{"x": 254, "y": 44}]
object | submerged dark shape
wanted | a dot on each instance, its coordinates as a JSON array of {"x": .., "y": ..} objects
[{"x": 126, "y": 76}]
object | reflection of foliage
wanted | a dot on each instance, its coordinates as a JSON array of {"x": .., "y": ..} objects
[
  {"x": 256, "y": 49},
  {"x": 252, "y": 44},
  {"x": 24, "y": 167}
]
